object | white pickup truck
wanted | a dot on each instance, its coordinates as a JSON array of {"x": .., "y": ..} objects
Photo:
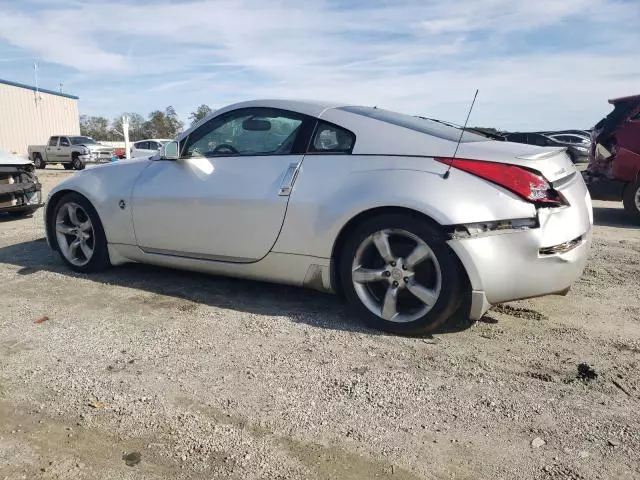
[{"x": 73, "y": 152}]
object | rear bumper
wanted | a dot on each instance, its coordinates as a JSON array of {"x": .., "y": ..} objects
[{"x": 511, "y": 265}]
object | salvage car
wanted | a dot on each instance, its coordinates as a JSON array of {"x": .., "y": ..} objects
[
  {"x": 578, "y": 152},
  {"x": 20, "y": 191},
  {"x": 614, "y": 161},
  {"x": 409, "y": 219},
  {"x": 73, "y": 152}
]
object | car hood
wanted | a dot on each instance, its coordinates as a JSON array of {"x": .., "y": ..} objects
[
  {"x": 96, "y": 146},
  {"x": 7, "y": 158}
]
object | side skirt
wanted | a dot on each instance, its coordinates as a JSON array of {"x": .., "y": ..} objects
[{"x": 298, "y": 270}]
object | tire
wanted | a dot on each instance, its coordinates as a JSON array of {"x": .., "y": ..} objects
[
  {"x": 95, "y": 238},
  {"x": 77, "y": 164},
  {"x": 631, "y": 200},
  {"x": 436, "y": 277},
  {"x": 38, "y": 162},
  {"x": 67, "y": 166}
]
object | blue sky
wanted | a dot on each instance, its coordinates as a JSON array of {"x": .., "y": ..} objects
[{"x": 538, "y": 65}]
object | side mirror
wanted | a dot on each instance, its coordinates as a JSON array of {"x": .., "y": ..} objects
[{"x": 170, "y": 151}]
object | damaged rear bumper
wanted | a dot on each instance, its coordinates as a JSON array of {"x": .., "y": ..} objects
[{"x": 525, "y": 261}]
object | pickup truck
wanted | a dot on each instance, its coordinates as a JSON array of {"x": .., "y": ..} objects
[{"x": 73, "y": 152}]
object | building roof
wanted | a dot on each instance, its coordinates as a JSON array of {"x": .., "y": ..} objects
[{"x": 43, "y": 90}]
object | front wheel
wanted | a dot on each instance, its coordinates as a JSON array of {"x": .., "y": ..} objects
[
  {"x": 79, "y": 235},
  {"x": 631, "y": 200},
  {"x": 67, "y": 166},
  {"x": 77, "y": 164},
  {"x": 399, "y": 275}
]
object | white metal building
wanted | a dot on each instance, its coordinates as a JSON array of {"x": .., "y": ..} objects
[{"x": 29, "y": 116}]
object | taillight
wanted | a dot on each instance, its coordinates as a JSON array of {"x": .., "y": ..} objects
[{"x": 527, "y": 184}]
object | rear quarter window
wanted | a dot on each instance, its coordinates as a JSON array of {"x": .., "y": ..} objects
[{"x": 329, "y": 138}]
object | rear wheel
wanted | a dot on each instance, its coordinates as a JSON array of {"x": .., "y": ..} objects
[
  {"x": 38, "y": 162},
  {"x": 399, "y": 275},
  {"x": 631, "y": 199},
  {"x": 79, "y": 235}
]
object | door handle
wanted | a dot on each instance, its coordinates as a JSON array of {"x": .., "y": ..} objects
[{"x": 289, "y": 177}]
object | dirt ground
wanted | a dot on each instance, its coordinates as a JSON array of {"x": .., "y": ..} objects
[{"x": 150, "y": 373}]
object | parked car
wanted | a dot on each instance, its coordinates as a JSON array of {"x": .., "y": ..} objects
[
  {"x": 578, "y": 152},
  {"x": 360, "y": 201},
  {"x": 614, "y": 161},
  {"x": 149, "y": 147},
  {"x": 572, "y": 139},
  {"x": 73, "y": 152},
  {"x": 20, "y": 191}
]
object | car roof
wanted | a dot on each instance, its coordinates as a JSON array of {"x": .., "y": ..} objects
[
  {"x": 624, "y": 99},
  {"x": 308, "y": 107}
]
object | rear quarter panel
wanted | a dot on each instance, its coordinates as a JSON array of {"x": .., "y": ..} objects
[{"x": 332, "y": 189}]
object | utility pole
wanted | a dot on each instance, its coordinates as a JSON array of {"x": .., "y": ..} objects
[{"x": 125, "y": 131}]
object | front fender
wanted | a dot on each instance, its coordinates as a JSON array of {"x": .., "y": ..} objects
[
  {"x": 332, "y": 190},
  {"x": 104, "y": 186}
]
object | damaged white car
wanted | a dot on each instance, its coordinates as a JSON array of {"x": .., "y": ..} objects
[
  {"x": 409, "y": 219},
  {"x": 20, "y": 191}
]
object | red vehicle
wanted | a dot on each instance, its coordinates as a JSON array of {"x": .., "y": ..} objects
[{"x": 614, "y": 160}]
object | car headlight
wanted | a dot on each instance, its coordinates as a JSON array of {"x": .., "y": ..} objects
[
  {"x": 85, "y": 151},
  {"x": 33, "y": 198}
]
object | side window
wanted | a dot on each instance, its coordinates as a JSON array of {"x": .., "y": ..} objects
[
  {"x": 142, "y": 145},
  {"x": 53, "y": 141},
  {"x": 153, "y": 146},
  {"x": 64, "y": 142},
  {"x": 330, "y": 138},
  {"x": 636, "y": 117},
  {"x": 247, "y": 131}
]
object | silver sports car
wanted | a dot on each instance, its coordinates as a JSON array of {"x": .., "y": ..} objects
[{"x": 364, "y": 202}]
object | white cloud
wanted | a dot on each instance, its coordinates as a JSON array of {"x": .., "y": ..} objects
[{"x": 417, "y": 56}]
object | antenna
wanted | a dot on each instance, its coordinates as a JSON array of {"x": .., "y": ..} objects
[{"x": 446, "y": 174}]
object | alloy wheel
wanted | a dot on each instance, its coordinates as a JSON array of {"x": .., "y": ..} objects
[
  {"x": 75, "y": 234},
  {"x": 637, "y": 198},
  {"x": 396, "y": 275}
]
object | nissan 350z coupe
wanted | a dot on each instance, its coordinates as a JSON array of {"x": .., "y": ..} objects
[{"x": 360, "y": 201}]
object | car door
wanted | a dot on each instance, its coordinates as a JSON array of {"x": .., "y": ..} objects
[
  {"x": 138, "y": 149},
  {"x": 52, "y": 150},
  {"x": 226, "y": 197},
  {"x": 64, "y": 150}
]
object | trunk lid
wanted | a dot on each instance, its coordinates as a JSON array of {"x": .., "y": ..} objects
[{"x": 553, "y": 163}]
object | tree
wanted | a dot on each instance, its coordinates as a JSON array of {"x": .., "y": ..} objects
[
  {"x": 164, "y": 124},
  {"x": 201, "y": 112},
  {"x": 138, "y": 127},
  {"x": 95, "y": 127}
]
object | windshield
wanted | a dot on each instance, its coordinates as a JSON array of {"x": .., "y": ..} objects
[
  {"x": 82, "y": 140},
  {"x": 419, "y": 124}
]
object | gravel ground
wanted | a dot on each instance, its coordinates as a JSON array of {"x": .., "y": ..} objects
[{"x": 150, "y": 373}]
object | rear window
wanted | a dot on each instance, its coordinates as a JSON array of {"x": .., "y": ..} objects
[
  {"x": 53, "y": 141},
  {"x": 421, "y": 125}
]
